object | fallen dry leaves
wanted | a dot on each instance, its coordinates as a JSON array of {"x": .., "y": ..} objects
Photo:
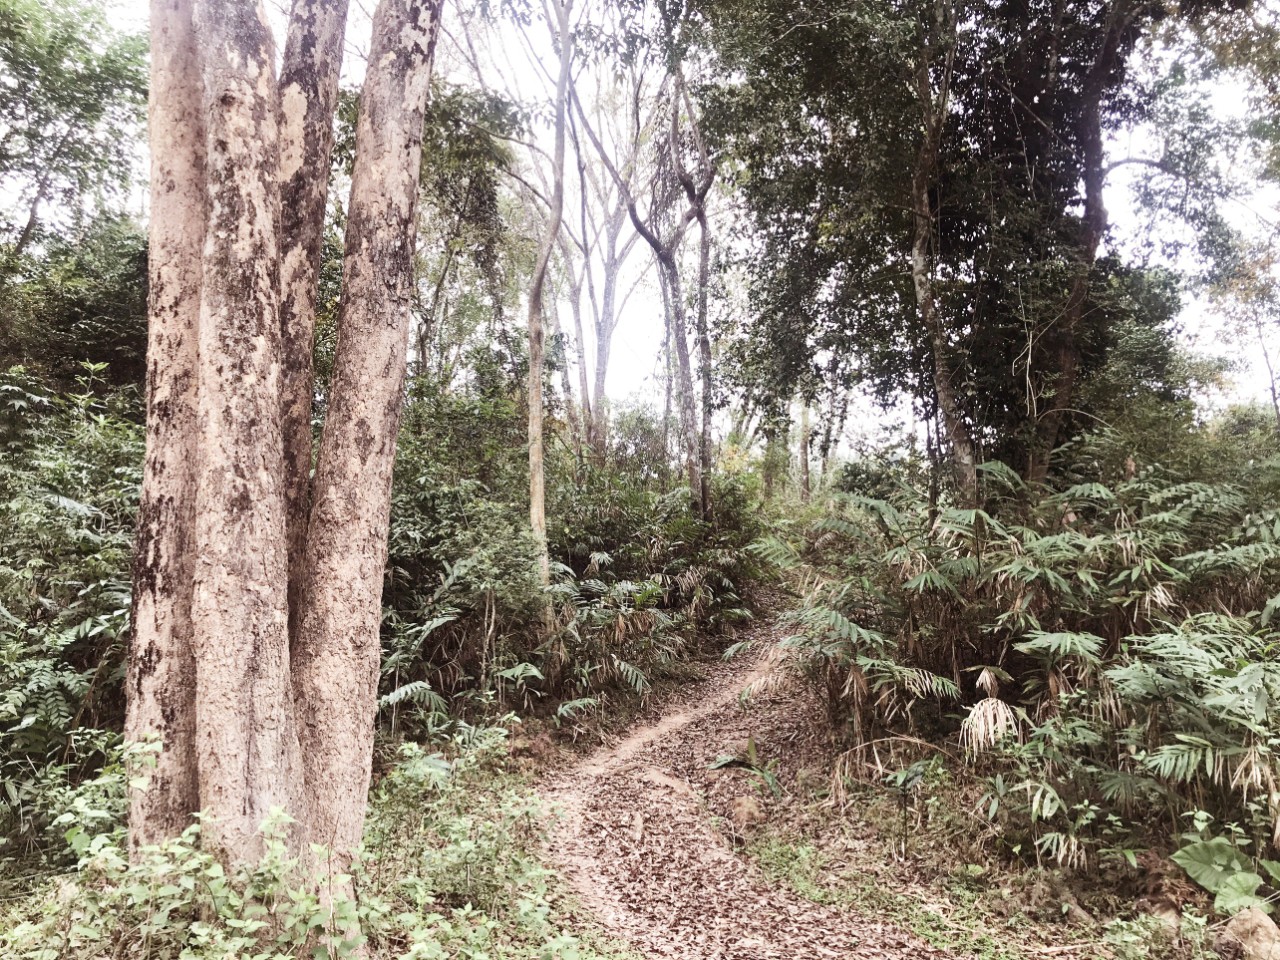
[{"x": 636, "y": 839}]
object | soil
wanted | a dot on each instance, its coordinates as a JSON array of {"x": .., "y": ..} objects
[{"x": 647, "y": 833}]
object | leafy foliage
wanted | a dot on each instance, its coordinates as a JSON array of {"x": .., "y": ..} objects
[
  {"x": 67, "y": 499},
  {"x": 1111, "y": 643},
  {"x": 452, "y": 872}
]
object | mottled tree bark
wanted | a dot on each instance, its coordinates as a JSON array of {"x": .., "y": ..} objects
[
  {"x": 246, "y": 744},
  {"x": 336, "y": 673},
  {"x": 308, "y": 98},
  {"x": 161, "y": 679},
  {"x": 238, "y": 206}
]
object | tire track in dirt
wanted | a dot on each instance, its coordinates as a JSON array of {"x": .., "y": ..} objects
[{"x": 639, "y": 848}]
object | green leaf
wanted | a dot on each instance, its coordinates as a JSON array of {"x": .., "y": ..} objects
[
  {"x": 1239, "y": 892},
  {"x": 1211, "y": 863},
  {"x": 1272, "y": 867}
]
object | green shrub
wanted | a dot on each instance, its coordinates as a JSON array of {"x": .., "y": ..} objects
[
  {"x": 67, "y": 502},
  {"x": 1108, "y": 647},
  {"x": 450, "y": 870}
]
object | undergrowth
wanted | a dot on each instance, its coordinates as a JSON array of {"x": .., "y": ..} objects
[
  {"x": 639, "y": 584},
  {"x": 1099, "y": 654},
  {"x": 450, "y": 871}
]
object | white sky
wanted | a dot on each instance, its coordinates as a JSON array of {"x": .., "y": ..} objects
[{"x": 637, "y": 346}]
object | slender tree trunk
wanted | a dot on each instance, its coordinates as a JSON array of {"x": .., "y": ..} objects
[
  {"x": 666, "y": 251},
  {"x": 246, "y": 743},
  {"x": 600, "y": 403},
  {"x": 684, "y": 371},
  {"x": 1093, "y": 228},
  {"x": 577, "y": 280},
  {"x": 161, "y": 681},
  {"x": 605, "y": 324},
  {"x": 833, "y": 423},
  {"x": 667, "y": 383},
  {"x": 308, "y": 97},
  {"x": 776, "y": 452},
  {"x": 933, "y": 116},
  {"x": 580, "y": 350},
  {"x": 336, "y": 676},
  {"x": 842, "y": 417},
  {"x": 537, "y": 345},
  {"x": 1271, "y": 373},
  {"x": 566, "y": 382},
  {"x": 704, "y": 358},
  {"x": 33, "y": 210},
  {"x": 963, "y": 459},
  {"x": 806, "y": 489}
]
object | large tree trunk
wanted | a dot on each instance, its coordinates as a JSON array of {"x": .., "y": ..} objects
[
  {"x": 336, "y": 675},
  {"x": 161, "y": 682},
  {"x": 210, "y": 669},
  {"x": 308, "y": 97},
  {"x": 246, "y": 743}
]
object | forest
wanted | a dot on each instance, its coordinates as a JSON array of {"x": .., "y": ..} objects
[{"x": 620, "y": 479}]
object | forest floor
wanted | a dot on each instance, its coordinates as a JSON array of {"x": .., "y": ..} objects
[
  {"x": 712, "y": 829},
  {"x": 652, "y": 838}
]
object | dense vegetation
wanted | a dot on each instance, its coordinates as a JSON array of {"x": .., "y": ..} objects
[{"x": 1058, "y": 581}]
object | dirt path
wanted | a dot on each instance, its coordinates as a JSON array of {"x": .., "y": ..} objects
[{"x": 637, "y": 840}]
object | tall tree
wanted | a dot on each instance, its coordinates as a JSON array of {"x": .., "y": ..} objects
[
  {"x": 161, "y": 681},
  {"x": 69, "y": 113},
  {"x": 604, "y": 237},
  {"x": 246, "y": 727},
  {"x": 943, "y": 219},
  {"x": 932, "y": 81},
  {"x": 672, "y": 206},
  {"x": 557, "y": 13}
]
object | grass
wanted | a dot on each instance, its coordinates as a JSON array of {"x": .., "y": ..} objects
[
  {"x": 954, "y": 895},
  {"x": 801, "y": 867}
]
